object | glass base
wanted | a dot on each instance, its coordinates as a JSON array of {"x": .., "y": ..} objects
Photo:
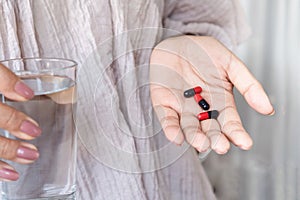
[{"x": 63, "y": 197}]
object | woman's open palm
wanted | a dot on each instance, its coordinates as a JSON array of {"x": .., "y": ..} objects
[{"x": 183, "y": 62}]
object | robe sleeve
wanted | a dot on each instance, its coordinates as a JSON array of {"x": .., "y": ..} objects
[{"x": 221, "y": 19}]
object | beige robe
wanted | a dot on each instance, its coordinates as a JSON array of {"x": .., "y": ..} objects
[{"x": 122, "y": 152}]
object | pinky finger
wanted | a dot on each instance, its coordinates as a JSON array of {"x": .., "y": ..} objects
[{"x": 7, "y": 173}]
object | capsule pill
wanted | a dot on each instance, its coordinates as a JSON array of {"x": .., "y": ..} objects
[
  {"x": 192, "y": 92},
  {"x": 202, "y": 102},
  {"x": 208, "y": 115}
]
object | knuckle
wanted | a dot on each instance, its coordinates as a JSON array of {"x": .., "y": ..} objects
[
  {"x": 8, "y": 148},
  {"x": 191, "y": 138},
  {"x": 11, "y": 121},
  {"x": 231, "y": 126},
  {"x": 214, "y": 133},
  {"x": 169, "y": 120},
  {"x": 197, "y": 140},
  {"x": 190, "y": 129}
]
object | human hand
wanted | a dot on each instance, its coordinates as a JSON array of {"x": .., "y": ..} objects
[
  {"x": 183, "y": 62},
  {"x": 18, "y": 124}
]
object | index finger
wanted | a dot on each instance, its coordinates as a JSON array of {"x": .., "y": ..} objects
[{"x": 12, "y": 87}]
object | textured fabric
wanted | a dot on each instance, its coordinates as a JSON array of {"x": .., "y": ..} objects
[
  {"x": 270, "y": 170},
  {"x": 122, "y": 152}
]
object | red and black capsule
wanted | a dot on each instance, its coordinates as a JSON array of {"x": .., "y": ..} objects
[
  {"x": 208, "y": 115},
  {"x": 202, "y": 102},
  {"x": 192, "y": 92}
]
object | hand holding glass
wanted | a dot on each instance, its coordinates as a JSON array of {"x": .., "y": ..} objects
[{"x": 53, "y": 108}]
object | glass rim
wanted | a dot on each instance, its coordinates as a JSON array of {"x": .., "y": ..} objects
[{"x": 73, "y": 64}]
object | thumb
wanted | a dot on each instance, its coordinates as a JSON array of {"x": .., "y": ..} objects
[{"x": 248, "y": 86}]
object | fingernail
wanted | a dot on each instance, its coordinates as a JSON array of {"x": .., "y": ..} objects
[
  {"x": 9, "y": 174},
  {"x": 272, "y": 113},
  {"x": 221, "y": 152},
  {"x": 203, "y": 155},
  {"x": 246, "y": 147},
  {"x": 27, "y": 153},
  {"x": 23, "y": 90},
  {"x": 30, "y": 129}
]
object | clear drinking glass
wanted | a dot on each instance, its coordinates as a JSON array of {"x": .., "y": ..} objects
[{"x": 52, "y": 176}]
